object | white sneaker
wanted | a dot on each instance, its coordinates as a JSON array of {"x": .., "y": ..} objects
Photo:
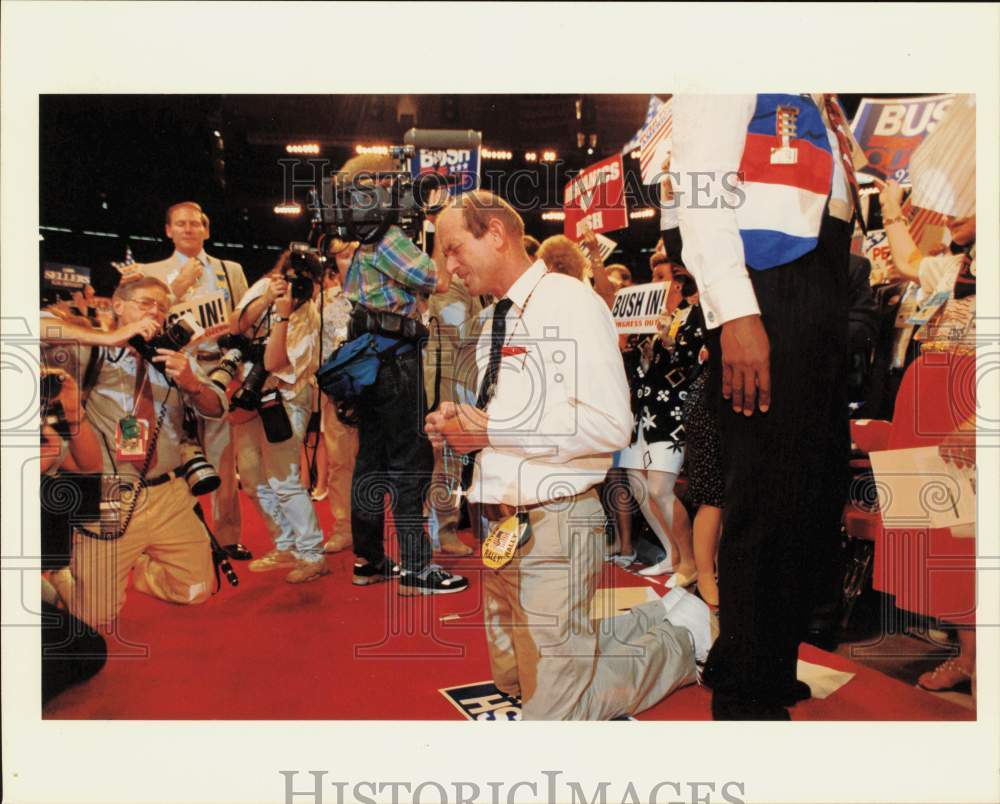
[
  {"x": 662, "y": 568},
  {"x": 688, "y": 611}
]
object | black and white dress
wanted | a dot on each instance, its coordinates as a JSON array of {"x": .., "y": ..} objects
[{"x": 659, "y": 389}]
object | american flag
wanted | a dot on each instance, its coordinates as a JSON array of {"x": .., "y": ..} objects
[
  {"x": 920, "y": 219},
  {"x": 123, "y": 266},
  {"x": 654, "y": 106},
  {"x": 654, "y": 144}
]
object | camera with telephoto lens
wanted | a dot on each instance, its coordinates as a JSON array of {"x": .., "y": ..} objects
[
  {"x": 175, "y": 336},
  {"x": 239, "y": 350},
  {"x": 197, "y": 472},
  {"x": 303, "y": 270}
]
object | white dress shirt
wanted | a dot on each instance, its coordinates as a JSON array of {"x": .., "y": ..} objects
[
  {"x": 561, "y": 406},
  {"x": 709, "y": 134},
  {"x": 205, "y": 284}
]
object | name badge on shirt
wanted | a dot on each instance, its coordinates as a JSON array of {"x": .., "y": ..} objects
[
  {"x": 785, "y": 127},
  {"x": 503, "y": 541},
  {"x": 131, "y": 439}
]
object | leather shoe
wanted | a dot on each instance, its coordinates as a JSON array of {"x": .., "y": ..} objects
[
  {"x": 795, "y": 692},
  {"x": 237, "y": 552}
]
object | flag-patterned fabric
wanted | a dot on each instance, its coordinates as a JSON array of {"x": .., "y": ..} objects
[
  {"x": 654, "y": 106},
  {"x": 787, "y": 174},
  {"x": 123, "y": 266},
  {"x": 655, "y": 143},
  {"x": 919, "y": 221}
]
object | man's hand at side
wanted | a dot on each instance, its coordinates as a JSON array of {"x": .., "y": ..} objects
[{"x": 746, "y": 368}]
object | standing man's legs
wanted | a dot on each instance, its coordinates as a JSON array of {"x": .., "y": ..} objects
[{"x": 780, "y": 470}]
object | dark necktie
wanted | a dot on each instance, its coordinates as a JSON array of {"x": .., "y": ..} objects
[
  {"x": 839, "y": 124},
  {"x": 489, "y": 384}
]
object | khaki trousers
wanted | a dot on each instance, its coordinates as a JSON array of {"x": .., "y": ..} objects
[
  {"x": 545, "y": 649},
  {"x": 166, "y": 548},
  {"x": 341, "y": 442},
  {"x": 217, "y": 440}
]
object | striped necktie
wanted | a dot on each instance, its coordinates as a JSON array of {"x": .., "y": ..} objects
[{"x": 836, "y": 117}]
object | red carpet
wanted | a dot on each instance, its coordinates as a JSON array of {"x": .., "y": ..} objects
[{"x": 328, "y": 650}]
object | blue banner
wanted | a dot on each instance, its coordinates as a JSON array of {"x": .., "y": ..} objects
[
  {"x": 61, "y": 275},
  {"x": 461, "y": 163}
]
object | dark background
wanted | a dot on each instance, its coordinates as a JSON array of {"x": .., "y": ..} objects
[{"x": 112, "y": 164}]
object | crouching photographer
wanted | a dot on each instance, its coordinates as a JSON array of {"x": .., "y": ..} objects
[
  {"x": 278, "y": 312},
  {"x": 136, "y": 385}
]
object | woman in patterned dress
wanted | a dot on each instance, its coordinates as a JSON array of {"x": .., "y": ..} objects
[{"x": 660, "y": 372}]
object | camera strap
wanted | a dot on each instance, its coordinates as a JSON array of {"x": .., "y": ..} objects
[
  {"x": 147, "y": 462},
  {"x": 229, "y": 284}
]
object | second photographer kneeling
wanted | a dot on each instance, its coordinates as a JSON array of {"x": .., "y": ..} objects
[
  {"x": 137, "y": 385},
  {"x": 279, "y": 313}
]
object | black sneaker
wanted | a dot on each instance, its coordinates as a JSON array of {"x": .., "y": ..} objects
[
  {"x": 365, "y": 574},
  {"x": 435, "y": 582}
]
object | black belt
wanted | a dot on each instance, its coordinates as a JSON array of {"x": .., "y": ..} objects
[{"x": 382, "y": 322}]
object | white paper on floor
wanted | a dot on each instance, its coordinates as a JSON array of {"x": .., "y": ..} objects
[
  {"x": 610, "y": 601},
  {"x": 823, "y": 681}
]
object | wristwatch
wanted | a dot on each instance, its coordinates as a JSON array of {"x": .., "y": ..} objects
[{"x": 279, "y": 318}]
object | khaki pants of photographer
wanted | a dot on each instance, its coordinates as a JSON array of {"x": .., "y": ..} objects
[
  {"x": 341, "y": 442},
  {"x": 166, "y": 548}
]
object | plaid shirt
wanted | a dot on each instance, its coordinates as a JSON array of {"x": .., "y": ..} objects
[{"x": 391, "y": 275}]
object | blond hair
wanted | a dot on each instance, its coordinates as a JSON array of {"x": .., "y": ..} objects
[
  {"x": 562, "y": 256},
  {"x": 366, "y": 163},
  {"x": 189, "y": 205}
]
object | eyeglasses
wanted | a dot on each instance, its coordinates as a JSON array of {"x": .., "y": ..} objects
[{"x": 147, "y": 304}]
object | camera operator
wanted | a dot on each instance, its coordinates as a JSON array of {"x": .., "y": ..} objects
[
  {"x": 194, "y": 279},
  {"x": 279, "y": 311},
  {"x": 388, "y": 281},
  {"x": 136, "y": 392}
]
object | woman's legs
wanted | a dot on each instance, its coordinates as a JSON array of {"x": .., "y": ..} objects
[
  {"x": 707, "y": 529},
  {"x": 661, "y": 491},
  {"x": 654, "y": 492}
]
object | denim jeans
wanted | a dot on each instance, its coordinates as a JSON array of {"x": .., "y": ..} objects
[
  {"x": 271, "y": 473},
  {"x": 394, "y": 458}
]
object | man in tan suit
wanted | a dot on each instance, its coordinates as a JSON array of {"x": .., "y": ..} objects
[{"x": 211, "y": 288}]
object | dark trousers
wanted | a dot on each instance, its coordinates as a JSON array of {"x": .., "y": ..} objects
[
  {"x": 394, "y": 457},
  {"x": 785, "y": 477}
]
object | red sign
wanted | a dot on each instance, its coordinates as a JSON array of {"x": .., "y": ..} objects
[{"x": 596, "y": 196}]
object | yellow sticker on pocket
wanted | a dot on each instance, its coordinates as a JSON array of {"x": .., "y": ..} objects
[{"x": 500, "y": 546}]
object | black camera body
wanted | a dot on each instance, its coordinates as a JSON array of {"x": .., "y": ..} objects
[
  {"x": 175, "y": 336},
  {"x": 365, "y": 208},
  {"x": 303, "y": 270}
]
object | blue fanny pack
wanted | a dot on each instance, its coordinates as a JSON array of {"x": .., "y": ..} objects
[{"x": 354, "y": 366}]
